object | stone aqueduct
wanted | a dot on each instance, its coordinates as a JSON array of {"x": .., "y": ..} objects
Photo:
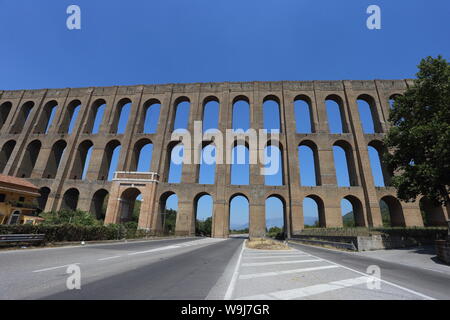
[{"x": 31, "y": 151}]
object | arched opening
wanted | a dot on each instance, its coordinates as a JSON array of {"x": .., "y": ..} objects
[
  {"x": 175, "y": 163},
  {"x": 81, "y": 161},
  {"x": 182, "y": 109},
  {"x": 42, "y": 199},
  {"x": 151, "y": 110},
  {"x": 239, "y": 219},
  {"x": 241, "y": 113},
  {"x": 70, "y": 117},
  {"x": 275, "y": 217},
  {"x": 46, "y": 118},
  {"x": 70, "y": 199},
  {"x": 129, "y": 206},
  {"x": 110, "y": 160},
  {"x": 335, "y": 115},
  {"x": 141, "y": 160},
  {"x": 5, "y": 108},
  {"x": 207, "y": 166},
  {"x": 22, "y": 117},
  {"x": 344, "y": 164},
  {"x": 5, "y": 153},
  {"x": 99, "y": 204},
  {"x": 273, "y": 168},
  {"x": 168, "y": 205},
  {"x": 240, "y": 165},
  {"x": 313, "y": 212},
  {"x": 303, "y": 115},
  {"x": 368, "y": 114},
  {"x": 309, "y": 164},
  {"x": 203, "y": 209},
  {"x": 121, "y": 116},
  {"x": 432, "y": 213},
  {"x": 29, "y": 159},
  {"x": 210, "y": 113},
  {"x": 392, "y": 100},
  {"x": 352, "y": 212},
  {"x": 380, "y": 172},
  {"x": 392, "y": 212},
  {"x": 54, "y": 159},
  {"x": 271, "y": 114},
  {"x": 95, "y": 118}
]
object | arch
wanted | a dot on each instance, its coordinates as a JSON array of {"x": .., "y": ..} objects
[
  {"x": 29, "y": 159},
  {"x": 110, "y": 160},
  {"x": 141, "y": 159},
  {"x": 392, "y": 212},
  {"x": 168, "y": 207},
  {"x": 70, "y": 199},
  {"x": 207, "y": 166},
  {"x": 241, "y": 113},
  {"x": 432, "y": 213},
  {"x": 181, "y": 115},
  {"x": 5, "y": 109},
  {"x": 392, "y": 98},
  {"x": 121, "y": 116},
  {"x": 46, "y": 118},
  {"x": 95, "y": 118},
  {"x": 240, "y": 164},
  {"x": 309, "y": 164},
  {"x": 128, "y": 199},
  {"x": 5, "y": 153},
  {"x": 22, "y": 117},
  {"x": 275, "y": 211},
  {"x": 380, "y": 173},
  {"x": 370, "y": 119},
  {"x": 336, "y": 114},
  {"x": 174, "y": 167},
  {"x": 54, "y": 159},
  {"x": 274, "y": 173},
  {"x": 211, "y": 109},
  {"x": 98, "y": 204},
  {"x": 70, "y": 116},
  {"x": 42, "y": 199},
  {"x": 203, "y": 214},
  {"x": 304, "y": 122},
  {"x": 314, "y": 211},
  {"x": 352, "y": 212},
  {"x": 239, "y": 221},
  {"x": 345, "y": 164},
  {"x": 151, "y": 112},
  {"x": 271, "y": 114},
  {"x": 81, "y": 160}
]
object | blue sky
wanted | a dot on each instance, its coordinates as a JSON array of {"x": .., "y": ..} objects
[{"x": 169, "y": 41}]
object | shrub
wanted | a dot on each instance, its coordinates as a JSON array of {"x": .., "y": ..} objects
[{"x": 75, "y": 217}]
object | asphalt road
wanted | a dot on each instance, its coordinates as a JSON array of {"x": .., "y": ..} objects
[
  {"x": 166, "y": 269},
  {"x": 204, "y": 268}
]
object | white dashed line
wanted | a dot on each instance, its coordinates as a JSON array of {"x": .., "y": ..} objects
[
  {"x": 53, "y": 268},
  {"x": 277, "y": 273}
]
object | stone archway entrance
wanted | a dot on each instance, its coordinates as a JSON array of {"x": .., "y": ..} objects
[{"x": 126, "y": 186}]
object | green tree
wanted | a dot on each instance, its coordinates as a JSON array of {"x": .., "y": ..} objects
[
  {"x": 204, "y": 227},
  {"x": 419, "y": 139}
]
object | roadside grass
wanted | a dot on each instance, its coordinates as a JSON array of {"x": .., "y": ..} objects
[{"x": 266, "y": 244}]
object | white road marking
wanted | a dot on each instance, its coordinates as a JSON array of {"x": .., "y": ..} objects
[
  {"x": 309, "y": 291},
  {"x": 256, "y": 264},
  {"x": 53, "y": 268},
  {"x": 277, "y": 273},
  {"x": 229, "y": 292},
  {"x": 276, "y": 257},
  {"x": 181, "y": 245},
  {"x": 384, "y": 281},
  {"x": 108, "y": 258}
]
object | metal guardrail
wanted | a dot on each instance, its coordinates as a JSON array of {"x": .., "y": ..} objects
[{"x": 21, "y": 237}]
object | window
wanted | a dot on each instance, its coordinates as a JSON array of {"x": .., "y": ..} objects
[{"x": 2, "y": 197}]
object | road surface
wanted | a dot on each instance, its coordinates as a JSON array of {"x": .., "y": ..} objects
[{"x": 204, "y": 268}]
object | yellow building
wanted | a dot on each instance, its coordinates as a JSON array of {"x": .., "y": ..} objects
[{"x": 18, "y": 201}]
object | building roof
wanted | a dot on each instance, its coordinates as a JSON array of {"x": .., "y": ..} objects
[{"x": 17, "y": 182}]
